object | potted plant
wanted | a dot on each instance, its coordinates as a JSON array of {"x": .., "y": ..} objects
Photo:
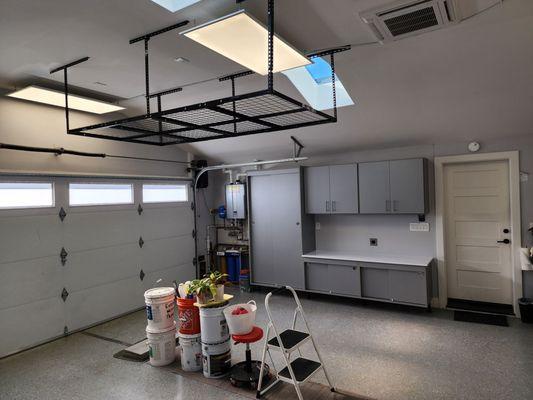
[
  {"x": 204, "y": 290},
  {"x": 218, "y": 279}
]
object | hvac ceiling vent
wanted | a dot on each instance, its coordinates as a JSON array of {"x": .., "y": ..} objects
[{"x": 408, "y": 18}]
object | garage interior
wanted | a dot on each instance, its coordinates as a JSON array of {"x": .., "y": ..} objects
[{"x": 239, "y": 199}]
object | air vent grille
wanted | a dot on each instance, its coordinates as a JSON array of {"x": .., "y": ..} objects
[{"x": 411, "y": 22}]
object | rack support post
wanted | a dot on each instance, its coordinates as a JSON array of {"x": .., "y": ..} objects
[
  {"x": 65, "y": 68},
  {"x": 270, "y": 45}
]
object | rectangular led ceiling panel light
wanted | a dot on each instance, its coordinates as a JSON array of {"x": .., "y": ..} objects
[
  {"x": 57, "y": 98},
  {"x": 244, "y": 40}
]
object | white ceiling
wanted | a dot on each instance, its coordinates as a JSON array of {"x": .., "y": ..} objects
[{"x": 473, "y": 80}]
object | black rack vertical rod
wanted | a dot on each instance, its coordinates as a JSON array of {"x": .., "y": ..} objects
[
  {"x": 160, "y": 123},
  {"x": 333, "y": 85},
  {"x": 147, "y": 74},
  {"x": 234, "y": 108},
  {"x": 270, "y": 45},
  {"x": 65, "y": 85}
]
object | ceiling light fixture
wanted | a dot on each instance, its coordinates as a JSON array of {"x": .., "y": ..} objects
[
  {"x": 57, "y": 98},
  {"x": 243, "y": 39}
]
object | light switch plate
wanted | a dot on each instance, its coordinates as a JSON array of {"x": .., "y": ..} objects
[
  {"x": 317, "y": 226},
  {"x": 419, "y": 227}
]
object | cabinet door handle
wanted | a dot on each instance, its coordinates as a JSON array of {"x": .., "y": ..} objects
[
  {"x": 333, "y": 205},
  {"x": 327, "y": 205},
  {"x": 387, "y": 205},
  {"x": 395, "y": 205}
]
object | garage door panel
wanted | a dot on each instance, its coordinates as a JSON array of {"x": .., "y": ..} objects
[
  {"x": 28, "y": 281},
  {"x": 30, "y": 324},
  {"x": 90, "y": 268},
  {"x": 179, "y": 273},
  {"x": 173, "y": 221},
  {"x": 89, "y": 306},
  {"x": 27, "y": 237},
  {"x": 93, "y": 230},
  {"x": 164, "y": 253}
]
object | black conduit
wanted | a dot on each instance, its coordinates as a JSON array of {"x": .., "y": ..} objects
[{"x": 61, "y": 151}]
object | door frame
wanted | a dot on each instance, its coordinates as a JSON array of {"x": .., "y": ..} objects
[{"x": 512, "y": 157}]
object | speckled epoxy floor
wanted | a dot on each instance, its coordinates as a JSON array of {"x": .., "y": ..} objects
[{"x": 382, "y": 352}]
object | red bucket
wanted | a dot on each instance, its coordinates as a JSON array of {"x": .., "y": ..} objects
[{"x": 188, "y": 317}]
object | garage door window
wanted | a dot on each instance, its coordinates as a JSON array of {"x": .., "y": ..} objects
[
  {"x": 161, "y": 193},
  {"x": 26, "y": 195},
  {"x": 95, "y": 194}
]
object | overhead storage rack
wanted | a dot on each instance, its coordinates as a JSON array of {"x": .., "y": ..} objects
[{"x": 245, "y": 114}]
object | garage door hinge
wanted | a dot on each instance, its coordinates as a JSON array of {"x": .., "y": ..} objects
[
  {"x": 140, "y": 209},
  {"x": 64, "y": 294},
  {"x": 141, "y": 242},
  {"x": 192, "y": 206},
  {"x": 194, "y": 261},
  {"x": 65, "y": 330},
  {"x": 194, "y": 234},
  {"x": 62, "y": 214},
  {"x": 141, "y": 275},
  {"x": 63, "y": 255}
]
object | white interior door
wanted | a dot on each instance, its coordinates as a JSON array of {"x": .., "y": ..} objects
[{"x": 477, "y": 220}]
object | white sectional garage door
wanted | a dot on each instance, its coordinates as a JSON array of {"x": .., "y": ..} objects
[{"x": 113, "y": 254}]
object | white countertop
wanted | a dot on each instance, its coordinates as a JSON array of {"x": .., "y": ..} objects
[
  {"x": 524, "y": 260},
  {"x": 420, "y": 261}
]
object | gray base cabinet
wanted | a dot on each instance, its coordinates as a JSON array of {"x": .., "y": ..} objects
[
  {"x": 404, "y": 284},
  {"x": 334, "y": 279}
]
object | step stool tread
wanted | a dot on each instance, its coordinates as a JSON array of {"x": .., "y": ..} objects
[
  {"x": 290, "y": 339},
  {"x": 302, "y": 368}
]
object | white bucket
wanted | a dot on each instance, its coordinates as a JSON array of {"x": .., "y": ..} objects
[
  {"x": 213, "y": 325},
  {"x": 161, "y": 345},
  {"x": 216, "y": 359},
  {"x": 191, "y": 352},
  {"x": 244, "y": 323},
  {"x": 160, "y": 307}
]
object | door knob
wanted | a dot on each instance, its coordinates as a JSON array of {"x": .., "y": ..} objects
[{"x": 506, "y": 241}]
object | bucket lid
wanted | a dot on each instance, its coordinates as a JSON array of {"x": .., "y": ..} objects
[
  {"x": 159, "y": 292},
  {"x": 149, "y": 329}
]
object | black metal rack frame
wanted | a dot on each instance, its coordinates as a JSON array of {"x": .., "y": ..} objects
[{"x": 261, "y": 111}]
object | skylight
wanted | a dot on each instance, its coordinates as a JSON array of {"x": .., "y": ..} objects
[
  {"x": 175, "y": 5},
  {"x": 314, "y": 83}
]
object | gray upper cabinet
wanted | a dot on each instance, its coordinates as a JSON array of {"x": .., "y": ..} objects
[
  {"x": 393, "y": 187},
  {"x": 331, "y": 189},
  {"x": 374, "y": 188},
  {"x": 343, "y": 189},
  {"x": 317, "y": 199},
  {"x": 407, "y": 186}
]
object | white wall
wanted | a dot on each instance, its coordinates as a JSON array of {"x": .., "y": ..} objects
[{"x": 32, "y": 124}]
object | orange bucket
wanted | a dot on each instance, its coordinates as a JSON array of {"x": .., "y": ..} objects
[{"x": 188, "y": 317}]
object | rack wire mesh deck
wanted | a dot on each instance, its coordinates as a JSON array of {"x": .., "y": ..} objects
[
  {"x": 262, "y": 111},
  {"x": 251, "y": 113}
]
